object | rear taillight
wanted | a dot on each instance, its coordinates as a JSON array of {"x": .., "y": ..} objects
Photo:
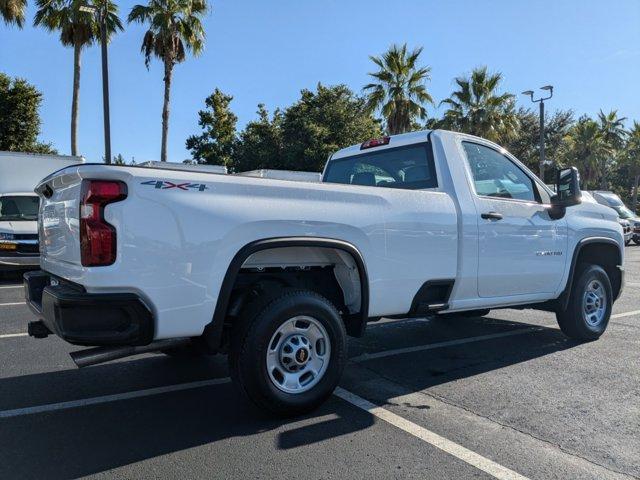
[{"x": 97, "y": 237}]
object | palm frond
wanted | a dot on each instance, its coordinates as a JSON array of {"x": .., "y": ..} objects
[
  {"x": 398, "y": 91},
  {"x": 13, "y": 12}
]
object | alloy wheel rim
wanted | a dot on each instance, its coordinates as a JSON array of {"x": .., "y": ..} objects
[{"x": 298, "y": 354}]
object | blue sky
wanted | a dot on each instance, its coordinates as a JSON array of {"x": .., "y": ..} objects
[{"x": 267, "y": 51}]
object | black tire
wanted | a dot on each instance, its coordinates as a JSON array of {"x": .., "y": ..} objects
[
  {"x": 572, "y": 321},
  {"x": 250, "y": 340},
  {"x": 636, "y": 240},
  {"x": 627, "y": 243}
]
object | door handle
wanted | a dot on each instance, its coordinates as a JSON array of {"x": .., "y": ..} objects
[{"x": 491, "y": 216}]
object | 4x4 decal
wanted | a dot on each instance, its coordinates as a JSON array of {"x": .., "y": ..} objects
[{"x": 164, "y": 185}]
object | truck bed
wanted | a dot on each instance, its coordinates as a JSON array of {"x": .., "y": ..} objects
[{"x": 178, "y": 231}]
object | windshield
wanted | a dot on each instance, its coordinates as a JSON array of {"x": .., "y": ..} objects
[
  {"x": 18, "y": 208},
  {"x": 623, "y": 211}
]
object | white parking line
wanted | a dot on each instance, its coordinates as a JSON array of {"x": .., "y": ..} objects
[
  {"x": 84, "y": 402},
  {"x": 468, "y": 456},
  {"x": 11, "y": 286},
  {"x": 12, "y": 304},
  {"x": 11, "y": 335},
  {"x": 626, "y": 314},
  {"x": 448, "y": 343}
]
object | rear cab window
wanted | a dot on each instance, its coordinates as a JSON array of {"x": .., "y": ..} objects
[{"x": 410, "y": 167}]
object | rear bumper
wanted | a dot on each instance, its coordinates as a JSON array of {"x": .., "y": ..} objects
[{"x": 82, "y": 318}]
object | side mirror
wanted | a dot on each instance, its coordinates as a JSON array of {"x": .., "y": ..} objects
[
  {"x": 567, "y": 192},
  {"x": 567, "y": 188}
]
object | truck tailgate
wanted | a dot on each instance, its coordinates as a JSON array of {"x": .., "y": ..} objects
[{"x": 59, "y": 217}]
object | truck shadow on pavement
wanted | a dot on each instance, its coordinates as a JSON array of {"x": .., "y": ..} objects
[{"x": 91, "y": 439}]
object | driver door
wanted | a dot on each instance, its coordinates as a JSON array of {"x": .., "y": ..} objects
[{"x": 521, "y": 250}]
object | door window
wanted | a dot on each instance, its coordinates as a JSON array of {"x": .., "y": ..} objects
[{"x": 494, "y": 175}]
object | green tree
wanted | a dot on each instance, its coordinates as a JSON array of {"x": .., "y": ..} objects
[
  {"x": 477, "y": 108},
  {"x": 399, "y": 91},
  {"x": 322, "y": 122},
  {"x": 19, "y": 117},
  {"x": 216, "y": 144},
  {"x": 175, "y": 27},
  {"x": 12, "y": 12},
  {"x": 525, "y": 144},
  {"x": 613, "y": 135},
  {"x": 260, "y": 144},
  {"x": 304, "y": 135},
  {"x": 585, "y": 147},
  {"x": 632, "y": 159},
  {"x": 78, "y": 29}
]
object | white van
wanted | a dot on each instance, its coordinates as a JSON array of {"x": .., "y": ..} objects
[{"x": 19, "y": 175}]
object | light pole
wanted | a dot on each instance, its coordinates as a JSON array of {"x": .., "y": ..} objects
[
  {"x": 102, "y": 18},
  {"x": 541, "y": 100}
]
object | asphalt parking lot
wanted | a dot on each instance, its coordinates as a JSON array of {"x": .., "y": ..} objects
[{"x": 505, "y": 396}]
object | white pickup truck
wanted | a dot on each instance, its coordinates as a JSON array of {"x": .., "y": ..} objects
[
  {"x": 19, "y": 174},
  {"x": 276, "y": 273}
]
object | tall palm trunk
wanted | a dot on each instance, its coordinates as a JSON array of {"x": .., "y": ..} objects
[
  {"x": 168, "y": 72},
  {"x": 77, "y": 48},
  {"x": 634, "y": 199},
  {"x": 603, "y": 176}
]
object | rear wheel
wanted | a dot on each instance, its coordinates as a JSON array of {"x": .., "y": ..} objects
[
  {"x": 590, "y": 302},
  {"x": 287, "y": 354},
  {"x": 636, "y": 240}
]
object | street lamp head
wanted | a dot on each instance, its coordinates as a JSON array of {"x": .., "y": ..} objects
[
  {"x": 547, "y": 87},
  {"x": 527, "y": 92}
]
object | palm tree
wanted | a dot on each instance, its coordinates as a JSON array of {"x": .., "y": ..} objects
[
  {"x": 78, "y": 29},
  {"x": 175, "y": 27},
  {"x": 399, "y": 91},
  {"x": 477, "y": 108},
  {"x": 585, "y": 148},
  {"x": 632, "y": 151},
  {"x": 12, "y": 11},
  {"x": 613, "y": 134}
]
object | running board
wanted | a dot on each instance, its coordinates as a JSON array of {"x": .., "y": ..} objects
[{"x": 94, "y": 356}]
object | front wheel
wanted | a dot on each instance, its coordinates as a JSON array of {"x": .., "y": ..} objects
[
  {"x": 636, "y": 240},
  {"x": 287, "y": 355},
  {"x": 590, "y": 302}
]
